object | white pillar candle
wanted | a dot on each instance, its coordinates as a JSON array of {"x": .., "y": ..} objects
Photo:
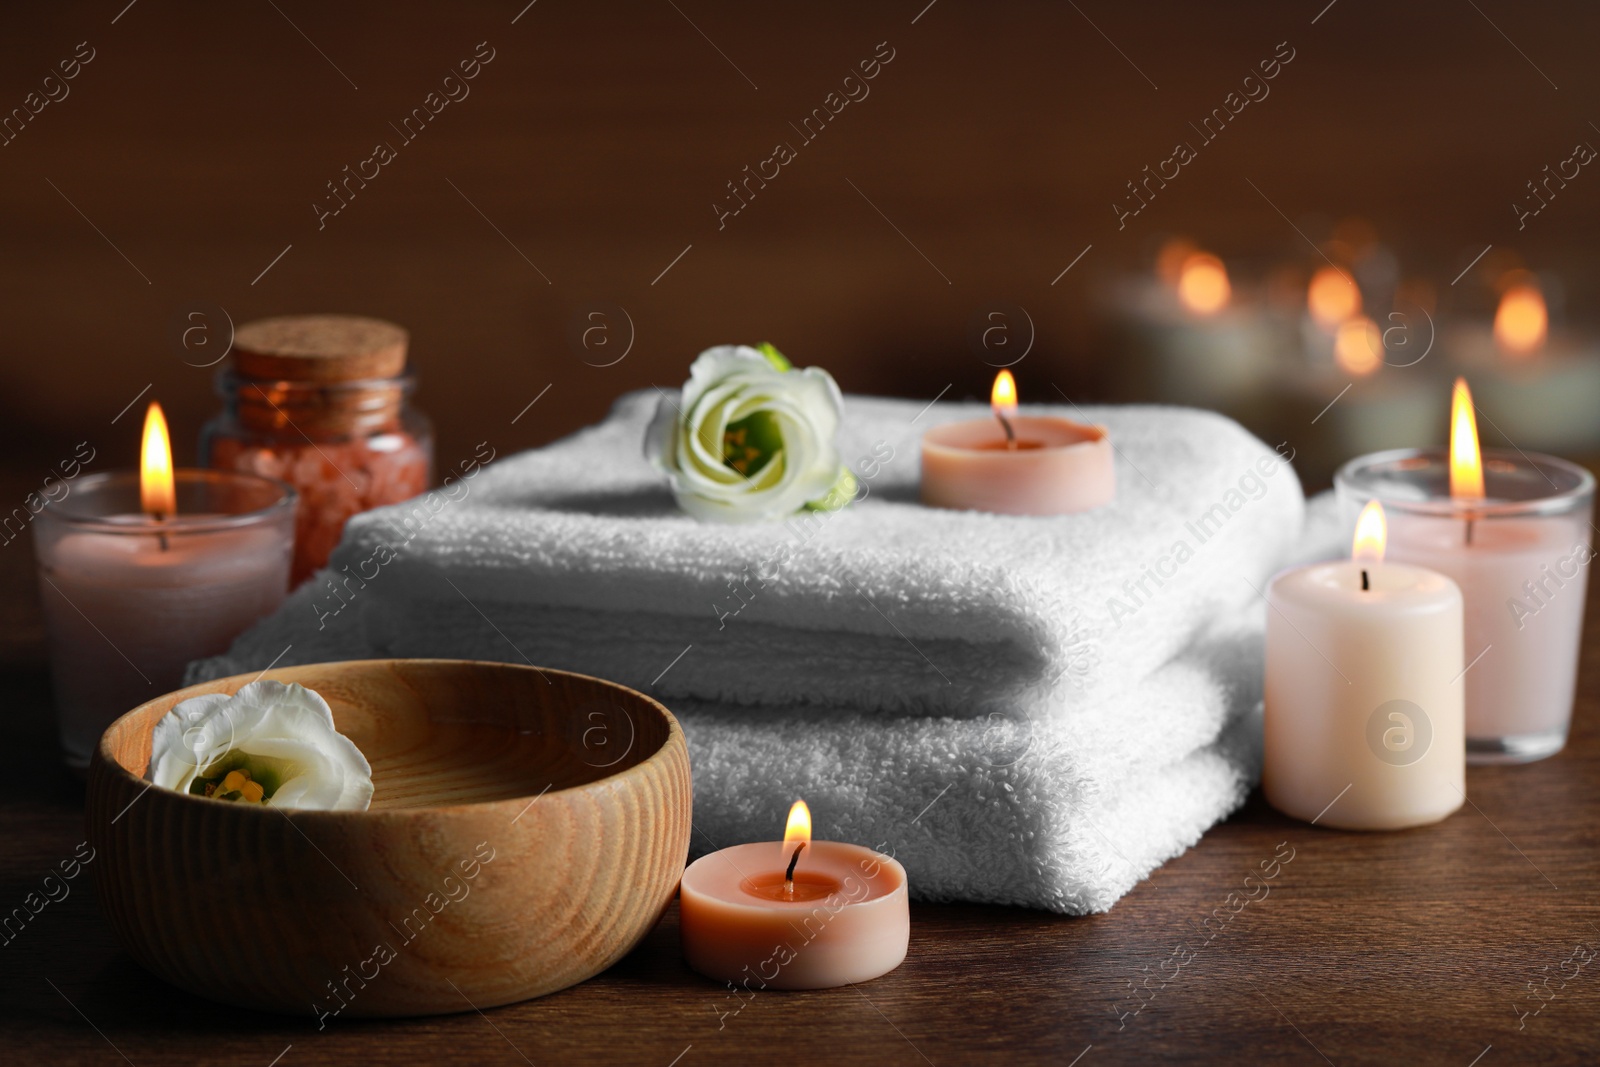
[{"x": 1364, "y": 697}]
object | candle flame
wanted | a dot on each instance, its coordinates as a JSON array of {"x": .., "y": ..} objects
[
  {"x": 1003, "y": 397},
  {"x": 1372, "y": 534},
  {"x": 1521, "y": 323},
  {"x": 156, "y": 494},
  {"x": 1203, "y": 284},
  {"x": 1332, "y": 297},
  {"x": 1358, "y": 346},
  {"x": 1466, "y": 458},
  {"x": 798, "y": 831}
]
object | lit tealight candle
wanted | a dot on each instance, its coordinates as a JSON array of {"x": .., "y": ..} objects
[
  {"x": 1521, "y": 322},
  {"x": 803, "y": 914},
  {"x": 1017, "y": 464},
  {"x": 1332, "y": 297},
  {"x": 1540, "y": 382},
  {"x": 1363, "y": 721},
  {"x": 1203, "y": 285}
]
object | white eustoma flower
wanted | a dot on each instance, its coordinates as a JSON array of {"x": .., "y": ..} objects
[
  {"x": 269, "y": 743},
  {"x": 751, "y": 438}
]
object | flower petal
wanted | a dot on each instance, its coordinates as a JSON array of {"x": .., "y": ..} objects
[
  {"x": 726, "y": 468},
  {"x": 289, "y": 724}
]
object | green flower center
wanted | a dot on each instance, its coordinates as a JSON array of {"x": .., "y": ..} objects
[
  {"x": 239, "y": 776},
  {"x": 750, "y": 443}
]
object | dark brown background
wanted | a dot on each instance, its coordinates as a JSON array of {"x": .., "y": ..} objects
[
  {"x": 600, "y": 135},
  {"x": 596, "y": 142}
]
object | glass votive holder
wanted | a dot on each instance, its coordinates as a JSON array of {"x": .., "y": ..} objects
[
  {"x": 129, "y": 600},
  {"x": 1519, "y": 556}
]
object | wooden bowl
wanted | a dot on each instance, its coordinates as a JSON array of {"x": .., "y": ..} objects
[{"x": 528, "y": 828}]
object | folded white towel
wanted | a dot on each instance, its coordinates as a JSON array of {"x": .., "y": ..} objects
[
  {"x": 1060, "y": 812},
  {"x": 1024, "y": 711},
  {"x": 1044, "y": 813},
  {"x": 574, "y": 556}
]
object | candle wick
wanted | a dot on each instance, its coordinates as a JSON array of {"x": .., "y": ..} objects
[
  {"x": 1011, "y": 435},
  {"x": 1469, "y": 529},
  {"x": 788, "y": 876},
  {"x": 161, "y": 535},
  {"x": 1366, "y": 584}
]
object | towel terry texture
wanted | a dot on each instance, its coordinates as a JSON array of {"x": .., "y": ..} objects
[{"x": 1032, "y": 711}]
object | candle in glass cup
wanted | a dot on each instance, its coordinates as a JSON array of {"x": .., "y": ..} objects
[
  {"x": 1540, "y": 381},
  {"x": 140, "y": 573},
  {"x": 1512, "y": 529}
]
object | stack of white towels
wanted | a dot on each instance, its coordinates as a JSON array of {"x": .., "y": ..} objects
[{"x": 1030, "y": 711}]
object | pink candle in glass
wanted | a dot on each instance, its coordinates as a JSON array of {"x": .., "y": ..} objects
[
  {"x": 1511, "y": 528},
  {"x": 796, "y": 914},
  {"x": 142, "y": 572},
  {"x": 1017, "y": 464}
]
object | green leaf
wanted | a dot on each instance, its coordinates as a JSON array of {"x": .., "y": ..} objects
[
  {"x": 842, "y": 492},
  {"x": 779, "y": 361}
]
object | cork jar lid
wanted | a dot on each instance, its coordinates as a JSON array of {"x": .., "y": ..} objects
[{"x": 319, "y": 348}]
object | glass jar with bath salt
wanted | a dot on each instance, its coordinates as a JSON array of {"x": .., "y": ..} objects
[{"x": 322, "y": 402}]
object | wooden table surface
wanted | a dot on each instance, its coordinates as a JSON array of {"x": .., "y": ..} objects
[{"x": 1426, "y": 946}]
